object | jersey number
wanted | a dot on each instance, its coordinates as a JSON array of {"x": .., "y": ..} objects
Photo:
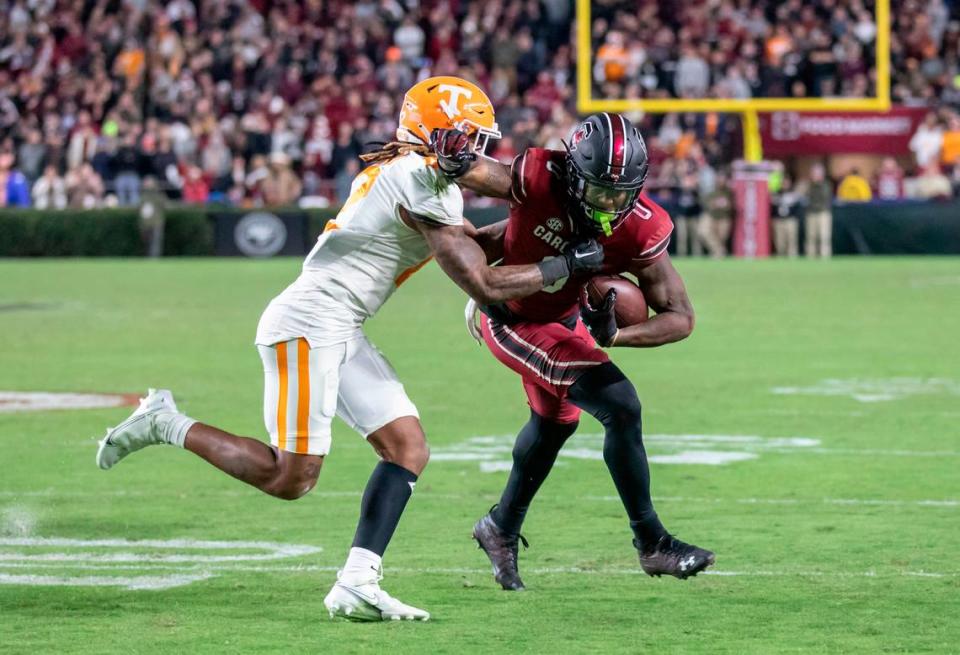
[{"x": 362, "y": 185}]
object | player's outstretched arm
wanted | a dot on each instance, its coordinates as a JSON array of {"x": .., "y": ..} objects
[
  {"x": 666, "y": 294},
  {"x": 489, "y": 238},
  {"x": 464, "y": 262},
  {"x": 489, "y": 178}
]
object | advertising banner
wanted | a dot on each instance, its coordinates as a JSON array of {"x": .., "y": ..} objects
[{"x": 787, "y": 133}]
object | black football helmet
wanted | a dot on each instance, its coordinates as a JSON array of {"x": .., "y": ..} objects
[{"x": 606, "y": 167}]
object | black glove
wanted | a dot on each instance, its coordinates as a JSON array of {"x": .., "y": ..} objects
[
  {"x": 601, "y": 321},
  {"x": 584, "y": 257},
  {"x": 453, "y": 150}
]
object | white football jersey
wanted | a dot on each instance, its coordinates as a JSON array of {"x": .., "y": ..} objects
[{"x": 364, "y": 254}]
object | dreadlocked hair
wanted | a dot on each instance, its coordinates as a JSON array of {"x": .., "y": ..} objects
[{"x": 393, "y": 149}]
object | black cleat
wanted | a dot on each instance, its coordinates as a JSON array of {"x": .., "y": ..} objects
[
  {"x": 673, "y": 557},
  {"x": 501, "y": 548}
]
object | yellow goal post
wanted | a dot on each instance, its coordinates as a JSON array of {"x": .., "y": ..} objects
[{"x": 748, "y": 108}]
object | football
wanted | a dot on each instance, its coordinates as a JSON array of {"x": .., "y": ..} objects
[{"x": 631, "y": 307}]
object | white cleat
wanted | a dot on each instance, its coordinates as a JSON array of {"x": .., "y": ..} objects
[
  {"x": 138, "y": 431},
  {"x": 364, "y": 600}
]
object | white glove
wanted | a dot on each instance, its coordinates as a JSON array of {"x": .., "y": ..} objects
[{"x": 473, "y": 324}]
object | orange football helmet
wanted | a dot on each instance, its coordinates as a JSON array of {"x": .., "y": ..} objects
[{"x": 447, "y": 102}]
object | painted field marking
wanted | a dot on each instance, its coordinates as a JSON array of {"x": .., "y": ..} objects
[
  {"x": 40, "y": 401},
  {"x": 17, "y": 521},
  {"x": 493, "y": 453},
  {"x": 873, "y": 390},
  {"x": 793, "y": 501},
  {"x": 110, "y": 555},
  {"x": 51, "y": 492},
  {"x": 430, "y": 495},
  {"x": 889, "y": 452},
  {"x": 274, "y": 551},
  {"x": 212, "y": 571},
  {"x": 146, "y": 582},
  {"x": 153, "y": 556},
  {"x": 707, "y": 457}
]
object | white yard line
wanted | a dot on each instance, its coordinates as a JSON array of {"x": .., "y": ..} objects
[
  {"x": 135, "y": 583},
  {"x": 133, "y": 493},
  {"x": 147, "y": 565},
  {"x": 427, "y": 495},
  {"x": 287, "y": 550},
  {"x": 792, "y": 501},
  {"x": 106, "y": 550},
  {"x": 861, "y": 452},
  {"x": 209, "y": 571}
]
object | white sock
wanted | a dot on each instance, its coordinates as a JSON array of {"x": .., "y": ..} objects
[
  {"x": 362, "y": 564},
  {"x": 174, "y": 427}
]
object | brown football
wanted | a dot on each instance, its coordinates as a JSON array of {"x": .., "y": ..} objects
[{"x": 631, "y": 307}]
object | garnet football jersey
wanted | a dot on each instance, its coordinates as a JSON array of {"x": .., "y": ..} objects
[{"x": 539, "y": 227}]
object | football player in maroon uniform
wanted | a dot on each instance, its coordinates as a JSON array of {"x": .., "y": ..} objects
[{"x": 593, "y": 190}]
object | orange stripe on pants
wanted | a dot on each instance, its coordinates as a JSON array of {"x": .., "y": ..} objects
[
  {"x": 282, "y": 396},
  {"x": 303, "y": 395}
]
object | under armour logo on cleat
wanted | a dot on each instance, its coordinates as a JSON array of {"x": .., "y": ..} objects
[{"x": 687, "y": 563}]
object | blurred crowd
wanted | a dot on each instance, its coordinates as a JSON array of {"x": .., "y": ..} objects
[
  {"x": 757, "y": 48},
  {"x": 734, "y": 48},
  {"x": 702, "y": 197},
  {"x": 698, "y": 189},
  {"x": 269, "y": 102},
  {"x": 251, "y": 102}
]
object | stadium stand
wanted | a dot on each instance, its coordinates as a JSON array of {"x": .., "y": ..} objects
[{"x": 267, "y": 102}]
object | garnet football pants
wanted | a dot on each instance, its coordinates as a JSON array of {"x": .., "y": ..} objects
[{"x": 549, "y": 357}]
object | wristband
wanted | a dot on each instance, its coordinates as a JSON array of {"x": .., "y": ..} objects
[{"x": 553, "y": 269}]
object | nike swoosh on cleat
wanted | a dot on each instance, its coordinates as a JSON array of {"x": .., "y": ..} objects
[{"x": 368, "y": 598}]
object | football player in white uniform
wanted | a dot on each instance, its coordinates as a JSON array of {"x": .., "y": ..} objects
[{"x": 317, "y": 362}]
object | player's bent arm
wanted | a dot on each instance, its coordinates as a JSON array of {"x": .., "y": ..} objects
[
  {"x": 489, "y": 178},
  {"x": 464, "y": 262},
  {"x": 666, "y": 294},
  {"x": 489, "y": 237}
]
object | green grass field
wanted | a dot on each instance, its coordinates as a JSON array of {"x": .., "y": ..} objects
[{"x": 831, "y": 389}]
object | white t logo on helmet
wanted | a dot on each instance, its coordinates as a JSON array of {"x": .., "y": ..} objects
[{"x": 452, "y": 108}]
